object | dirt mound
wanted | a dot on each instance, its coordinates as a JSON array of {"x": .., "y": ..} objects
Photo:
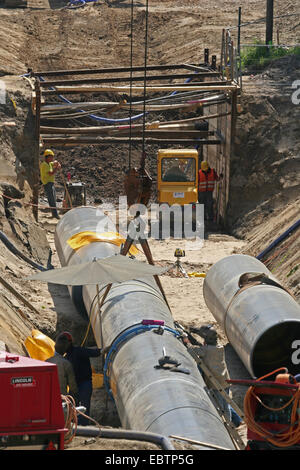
[{"x": 265, "y": 169}]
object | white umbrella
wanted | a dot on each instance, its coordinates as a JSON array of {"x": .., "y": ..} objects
[{"x": 117, "y": 268}]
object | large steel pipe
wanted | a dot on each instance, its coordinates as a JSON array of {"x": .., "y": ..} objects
[
  {"x": 147, "y": 399},
  {"x": 261, "y": 322}
]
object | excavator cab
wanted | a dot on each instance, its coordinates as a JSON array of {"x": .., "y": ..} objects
[
  {"x": 177, "y": 182},
  {"x": 177, "y": 176}
]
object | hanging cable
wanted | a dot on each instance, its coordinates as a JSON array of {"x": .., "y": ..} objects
[
  {"x": 131, "y": 65},
  {"x": 145, "y": 79}
]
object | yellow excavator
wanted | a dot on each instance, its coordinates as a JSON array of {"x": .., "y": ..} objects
[
  {"x": 177, "y": 184},
  {"x": 177, "y": 176},
  {"x": 177, "y": 180}
]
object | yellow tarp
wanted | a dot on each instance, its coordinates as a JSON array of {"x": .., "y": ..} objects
[
  {"x": 84, "y": 238},
  {"x": 39, "y": 346},
  {"x": 97, "y": 379},
  {"x": 196, "y": 274}
]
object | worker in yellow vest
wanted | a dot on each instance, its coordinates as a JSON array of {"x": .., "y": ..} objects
[
  {"x": 48, "y": 168},
  {"x": 207, "y": 178}
]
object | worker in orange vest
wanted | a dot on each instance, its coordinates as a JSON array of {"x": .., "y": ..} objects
[{"x": 206, "y": 185}]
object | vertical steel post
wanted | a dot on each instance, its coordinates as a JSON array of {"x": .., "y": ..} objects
[
  {"x": 269, "y": 21},
  {"x": 206, "y": 56},
  {"x": 240, "y": 74},
  {"x": 36, "y": 171},
  {"x": 222, "y": 66}
]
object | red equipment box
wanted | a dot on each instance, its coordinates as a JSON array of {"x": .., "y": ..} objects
[
  {"x": 31, "y": 413},
  {"x": 273, "y": 417}
]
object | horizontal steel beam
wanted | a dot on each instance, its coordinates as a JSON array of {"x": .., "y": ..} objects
[
  {"x": 82, "y": 81},
  {"x": 71, "y": 141},
  {"x": 141, "y": 68}
]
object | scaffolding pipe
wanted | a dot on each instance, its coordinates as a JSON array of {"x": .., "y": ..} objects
[
  {"x": 261, "y": 320},
  {"x": 147, "y": 398}
]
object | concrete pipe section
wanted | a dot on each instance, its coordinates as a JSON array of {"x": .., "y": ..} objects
[
  {"x": 261, "y": 321},
  {"x": 147, "y": 398}
]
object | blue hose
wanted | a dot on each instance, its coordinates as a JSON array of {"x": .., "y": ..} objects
[
  {"x": 278, "y": 240},
  {"x": 137, "y": 329},
  {"x": 99, "y": 118}
]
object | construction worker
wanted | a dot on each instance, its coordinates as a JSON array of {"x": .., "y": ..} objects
[
  {"x": 66, "y": 376},
  {"x": 207, "y": 178},
  {"x": 48, "y": 168},
  {"x": 80, "y": 359},
  {"x": 213, "y": 356}
]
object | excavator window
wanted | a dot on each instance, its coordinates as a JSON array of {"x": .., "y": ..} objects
[{"x": 176, "y": 170}]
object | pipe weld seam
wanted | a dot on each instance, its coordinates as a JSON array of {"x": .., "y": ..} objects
[{"x": 182, "y": 407}]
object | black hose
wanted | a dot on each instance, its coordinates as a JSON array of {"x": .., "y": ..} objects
[
  {"x": 278, "y": 240},
  {"x": 18, "y": 253},
  {"x": 93, "y": 431}
]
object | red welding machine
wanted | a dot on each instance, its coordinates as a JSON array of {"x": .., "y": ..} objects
[{"x": 31, "y": 413}]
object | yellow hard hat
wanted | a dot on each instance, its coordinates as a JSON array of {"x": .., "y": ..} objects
[
  {"x": 204, "y": 165},
  {"x": 48, "y": 153}
]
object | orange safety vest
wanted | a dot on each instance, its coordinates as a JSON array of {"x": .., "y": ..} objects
[{"x": 207, "y": 180}]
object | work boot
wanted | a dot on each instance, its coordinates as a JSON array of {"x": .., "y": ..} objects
[{"x": 55, "y": 215}]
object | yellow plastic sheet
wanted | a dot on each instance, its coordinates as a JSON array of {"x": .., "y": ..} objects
[
  {"x": 85, "y": 238},
  {"x": 196, "y": 274},
  {"x": 97, "y": 379},
  {"x": 39, "y": 346}
]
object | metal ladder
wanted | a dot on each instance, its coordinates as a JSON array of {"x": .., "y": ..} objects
[{"x": 236, "y": 438}]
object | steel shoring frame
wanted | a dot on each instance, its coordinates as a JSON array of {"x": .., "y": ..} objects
[{"x": 151, "y": 136}]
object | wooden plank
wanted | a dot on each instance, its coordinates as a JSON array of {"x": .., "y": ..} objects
[
  {"x": 155, "y": 134},
  {"x": 193, "y": 106},
  {"x": 134, "y": 107},
  {"x": 210, "y": 376},
  {"x": 138, "y": 90},
  {"x": 200, "y": 443},
  {"x": 215, "y": 382},
  {"x": 100, "y": 130},
  {"x": 18, "y": 296}
]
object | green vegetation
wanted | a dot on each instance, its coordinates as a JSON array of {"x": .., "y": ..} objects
[{"x": 258, "y": 57}]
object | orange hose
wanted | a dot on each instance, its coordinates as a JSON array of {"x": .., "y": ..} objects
[{"x": 281, "y": 439}]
